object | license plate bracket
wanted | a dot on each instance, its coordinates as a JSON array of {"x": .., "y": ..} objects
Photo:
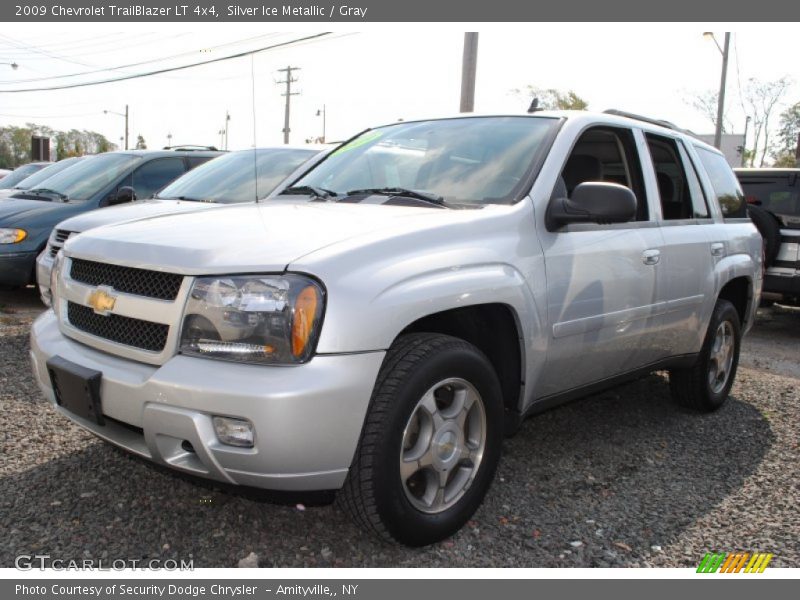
[{"x": 76, "y": 388}]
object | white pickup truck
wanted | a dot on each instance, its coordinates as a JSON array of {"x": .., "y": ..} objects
[{"x": 378, "y": 326}]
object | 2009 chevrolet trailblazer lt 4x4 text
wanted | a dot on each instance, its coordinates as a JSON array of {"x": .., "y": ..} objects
[{"x": 380, "y": 324}]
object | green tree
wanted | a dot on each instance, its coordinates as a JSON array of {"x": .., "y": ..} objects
[
  {"x": 788, "y": 132},
  {"x": 552, "y": 98}
]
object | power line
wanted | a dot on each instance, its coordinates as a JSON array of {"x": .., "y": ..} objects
[
  {"x": 138, "y": 64},
  {"x": 168, "y": 69}
]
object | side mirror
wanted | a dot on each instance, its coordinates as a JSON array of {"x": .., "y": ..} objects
[
  {"x": 124, "y": 194},
  {"x": 593, "y": 202}
]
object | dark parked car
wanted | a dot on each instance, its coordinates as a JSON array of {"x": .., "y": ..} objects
[
  {"x": 773, "y": 202},
  {"x": 34, "y": 181},
  {"x": 21, "y": 173},
  {"x": 27, "y": 218}
]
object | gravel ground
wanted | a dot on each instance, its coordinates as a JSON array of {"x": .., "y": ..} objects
[{"x": 621, "y": 479}]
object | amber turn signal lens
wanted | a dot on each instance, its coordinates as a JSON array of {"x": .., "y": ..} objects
[{"x": 305, "y": 311}]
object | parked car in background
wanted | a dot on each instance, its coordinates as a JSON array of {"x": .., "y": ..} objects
[
  {"x": 28, "y": 218},
  {"x": 773, "y": 202},
  {"x": 4, "y": 172},
  {"x": 377, "y": 326},
  {"x": 232, "y": 178},
  {"x": 33, "y": 181},
  {"x": 21, "y": 173}
]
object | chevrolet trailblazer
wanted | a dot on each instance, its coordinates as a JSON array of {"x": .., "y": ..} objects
[{"x": 378, "y": 326}]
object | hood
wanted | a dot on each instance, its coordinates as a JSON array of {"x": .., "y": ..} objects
[
  {"x": 262, "y": 237},
  {"x": 36, "y": 213},
  {"x": 141, "y": 209}
]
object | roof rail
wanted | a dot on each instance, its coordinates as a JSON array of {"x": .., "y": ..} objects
[
  {"x": 190, "y": 147},
  {"x": 659, "y": 122}
]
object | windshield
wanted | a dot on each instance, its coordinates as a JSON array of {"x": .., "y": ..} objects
[
  {"x": 18, "y": 174},
  {"x": 89, "y": 176},
  {"x": 34, "y": 180},
  {"x": 466, "y": 160},
  {"x": 230, "y": 179}
]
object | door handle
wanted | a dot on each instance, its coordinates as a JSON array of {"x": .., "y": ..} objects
[
  {"x": 651, "y": 257},
  {"x": 717, "y": 249}
]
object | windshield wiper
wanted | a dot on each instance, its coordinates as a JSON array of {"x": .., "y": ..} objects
[
  {"x": 308, "y": 190},
  {"x": 184, "y": 198},
  {"x": 398, "y": 191},
  {"x": 45, "y": 191}
]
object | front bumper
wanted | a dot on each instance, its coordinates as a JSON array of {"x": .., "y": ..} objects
[
  {"x": 307, "y": 418},
  {"x": 16, "y": 268}
]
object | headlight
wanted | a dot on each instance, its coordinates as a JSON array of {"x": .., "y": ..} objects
[
  {"x": 253, "y": 318},
  {"x": 55, "y": 272},
  {"x": 12, "y": 236}
]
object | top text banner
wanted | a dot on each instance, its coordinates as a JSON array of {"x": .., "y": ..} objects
[{"x": 377, "y": 11}]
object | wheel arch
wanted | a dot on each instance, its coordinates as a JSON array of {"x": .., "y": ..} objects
[{"x": 496, "y": 330}]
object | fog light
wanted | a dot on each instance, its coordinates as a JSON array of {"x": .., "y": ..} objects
[{"x": 234, "y": 432}]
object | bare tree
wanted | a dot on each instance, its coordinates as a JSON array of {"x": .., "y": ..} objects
[
  {"x": 706, "y": 104},
  {"x": 760, "y": 99}
]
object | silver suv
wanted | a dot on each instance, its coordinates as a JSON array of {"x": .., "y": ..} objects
[{"x": 379, "y": 325}]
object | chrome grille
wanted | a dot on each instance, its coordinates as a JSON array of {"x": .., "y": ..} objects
[
  {"x": 61, "y": 236},
  {"x": 129, "y": 280},
  {"x": 123, "y": 330}
]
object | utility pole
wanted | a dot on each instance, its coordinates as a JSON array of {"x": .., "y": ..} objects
[
  {"x": 797, "y": 152},
  {"x": 744, "y": 141},
  {"x": 322, "y": 112},
  {"x": 126, "y": 127},
  {"x": 469, "y": 66},
  {"x": 227, "y": 120},
  {"x": 288, "y": 93},
  {"x": 721, "y": 96}
]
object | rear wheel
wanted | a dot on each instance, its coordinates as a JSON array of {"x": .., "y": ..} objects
[
  {"x": 706, "y": 385},
  {"x": 431, "y": 441}
]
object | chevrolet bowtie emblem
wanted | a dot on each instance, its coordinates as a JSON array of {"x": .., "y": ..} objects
[{"x": 102, "y": 301}]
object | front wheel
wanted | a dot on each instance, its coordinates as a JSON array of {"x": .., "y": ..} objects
[
  {"x": 706, "y": 385},
  {"x": 431, "y": 441}
]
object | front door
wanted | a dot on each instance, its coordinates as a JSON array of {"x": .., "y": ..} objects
[{"x": 601, "y": 279}]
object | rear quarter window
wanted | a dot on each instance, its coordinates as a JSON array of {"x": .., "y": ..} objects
[
  {"x": 777, "y": 194},
  {"x": 726, "y": 187}
]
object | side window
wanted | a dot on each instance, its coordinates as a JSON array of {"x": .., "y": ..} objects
[
  {"x": 699, "y": 200},
  {"x": 726, "y": 186},
  {"x": 196, "y": 161},
  {"x": 154, "y": 175},
  {"x": 678, "y": 187},
  {"x": 605, "y": 154}
]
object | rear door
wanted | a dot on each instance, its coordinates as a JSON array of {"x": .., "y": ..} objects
[{"x": 690, "y": 248}]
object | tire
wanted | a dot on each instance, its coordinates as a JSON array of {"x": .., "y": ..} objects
[
  {"x": 401, "y": 434},
  {"x": 705, "y": 386},
  {"x": 770, "y": 231}
]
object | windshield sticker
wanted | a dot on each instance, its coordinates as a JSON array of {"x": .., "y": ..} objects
[{"x": 360, "y": 141}]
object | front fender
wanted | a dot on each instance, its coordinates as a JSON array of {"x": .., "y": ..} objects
[{"x": 372, "y": 322}]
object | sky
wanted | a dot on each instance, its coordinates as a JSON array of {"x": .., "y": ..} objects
[{"x": 378, "y": 75}]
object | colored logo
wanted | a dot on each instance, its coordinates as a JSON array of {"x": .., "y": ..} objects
[
  {"x": 741, "y": 562},
  {"x": 102, "y": 301}
]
